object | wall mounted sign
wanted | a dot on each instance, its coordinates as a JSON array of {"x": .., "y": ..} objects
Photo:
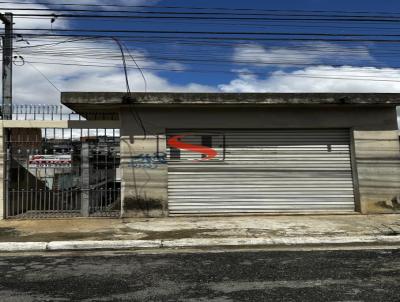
[{"x": 50, "y": 161}]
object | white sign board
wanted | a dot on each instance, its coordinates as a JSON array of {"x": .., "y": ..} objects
[{"x": 50, "y": 161}]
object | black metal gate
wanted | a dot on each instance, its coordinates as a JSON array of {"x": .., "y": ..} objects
[{"x": 62, "y": 172}]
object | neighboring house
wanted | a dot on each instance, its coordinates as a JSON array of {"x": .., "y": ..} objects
[{"x": 224, "y": 154}]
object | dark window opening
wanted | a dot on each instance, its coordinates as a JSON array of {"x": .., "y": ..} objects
[
  {"x": 175, "y": 153},
  {"x": 206, "y": 141}
]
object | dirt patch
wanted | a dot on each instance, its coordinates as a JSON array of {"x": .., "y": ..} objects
[
  {"x": 8, "y": 232},
  {"x": 177, "y": 234},
  {"x": 389, "y": 230},
  {"x": 142, "y": 204},
  {"x": 55, "y": 237}
]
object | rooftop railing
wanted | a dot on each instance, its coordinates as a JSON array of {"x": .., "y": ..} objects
[{"x": 42, "y": 112}]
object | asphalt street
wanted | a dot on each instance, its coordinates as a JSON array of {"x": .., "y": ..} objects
[{"x": 362, "y": 275}]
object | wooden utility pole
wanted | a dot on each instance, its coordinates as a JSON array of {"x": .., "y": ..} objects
[{"x": 7, "y": 19}]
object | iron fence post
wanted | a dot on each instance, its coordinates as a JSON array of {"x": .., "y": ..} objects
[{"x": 85, "y": 183}]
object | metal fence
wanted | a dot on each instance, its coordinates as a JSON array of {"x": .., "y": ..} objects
[{"x": 62, "y": 172}]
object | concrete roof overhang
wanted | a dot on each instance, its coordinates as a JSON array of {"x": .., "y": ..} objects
[{"x": 82, "y": 102}]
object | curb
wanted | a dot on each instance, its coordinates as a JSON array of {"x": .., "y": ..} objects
[
  {"x": 107, "y": 244},
  {"x": 280, "y": 241},
  {"x": 191, "y": 242},
  {"x": 22, "y": 246}
]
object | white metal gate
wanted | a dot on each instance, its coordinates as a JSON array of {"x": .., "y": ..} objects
[{"x": 262, "y": 171}]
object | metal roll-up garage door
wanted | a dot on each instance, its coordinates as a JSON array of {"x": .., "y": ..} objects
[{"x": 261, "y": 171}]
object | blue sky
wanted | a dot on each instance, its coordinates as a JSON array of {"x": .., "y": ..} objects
[
  {"x": 215, "y": 78},
  {"x": 252, "y": 65},
  {"x": 307, "y": 5}
]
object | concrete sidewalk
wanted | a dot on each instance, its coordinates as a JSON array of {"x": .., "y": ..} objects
[{"x": 70, "y": 234}]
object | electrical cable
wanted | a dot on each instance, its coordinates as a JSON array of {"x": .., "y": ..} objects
[
  {"x": 136, "y": 113},
  {"x": 191, "y": 13},
  {"x": 363, "y": 78},
  {"x": 128, "y": 89},
  {"x": 308, "y": 19},
  {"x": 212, "y": 32},
  {"x": 190, "y": 38},
  {"x": 44, "y": 76},
  {"x": 137, "y": 65},
  {"x": 194, "y": 8},
  {"x": 128, "y": 97},
  {"x": 56, "y": 53}
]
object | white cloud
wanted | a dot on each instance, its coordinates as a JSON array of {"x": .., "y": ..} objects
[
  {"x": 33, "y": 23},
  {"x": 319, "y": 79},
  {"x": 113, "y": 80},
  {"x": 60, "y": 23},
  {"x": 31, "y": 87},
  {"x": 306, "y": 53}
]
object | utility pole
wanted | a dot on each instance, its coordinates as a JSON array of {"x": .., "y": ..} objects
[
  {"x": 7, "y": 19},
  {"x": 6, "y": 113}
]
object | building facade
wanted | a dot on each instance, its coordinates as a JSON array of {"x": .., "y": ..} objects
[{"x": 231, "y": 154}]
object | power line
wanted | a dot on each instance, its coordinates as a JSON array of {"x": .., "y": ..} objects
[
  {"x": 267, "y": 24},
  {"x": 191, "y": 13},
  {"x": 217, "y": 33},
  {"x": 138, "y": 67},
  {"x": 189, "y": 38},
  {"x": 194, "y": 8},
  {"x": 360, "y": 78},
  {"x": 273, "y": 60},
  {"x": 55, "y": 53},
  {"x": 135, "y": 114},
  {"x": 218, "y": 44},
  {"x": 54, "y": 43},
  {"x": 44, "y": 76},
  {"x": 276, "y": 61},
  {"x": 123, "y": 64},
  {"x": 214, "y": 49},
  {"x": 278, "y": 18}
]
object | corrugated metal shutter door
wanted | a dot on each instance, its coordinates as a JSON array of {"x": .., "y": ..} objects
[{"x": 265, "y": 171}]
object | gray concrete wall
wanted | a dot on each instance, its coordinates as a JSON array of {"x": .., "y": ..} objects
[
  {"x": 144, "y": 175},
  {"x": 3, "y": 155},
  {"x": 377, "y": 158},
  {"x": 376, "y": 147},
  {"x": 363, "y": 117}
]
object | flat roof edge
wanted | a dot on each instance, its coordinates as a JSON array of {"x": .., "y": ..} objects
[{"x": 101, "y": 100}]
